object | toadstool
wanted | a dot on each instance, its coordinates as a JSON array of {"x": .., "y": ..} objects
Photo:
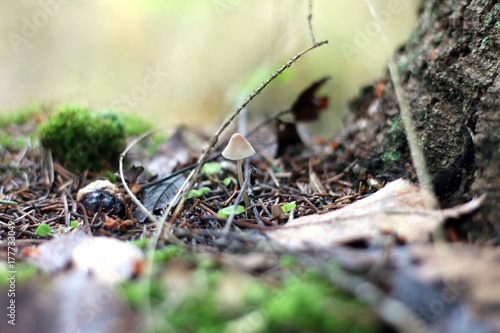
[{"x": 237, "y": 149}]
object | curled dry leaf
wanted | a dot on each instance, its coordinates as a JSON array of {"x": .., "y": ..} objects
[
  {"x": 307, "y": 106},
  {"x": 396, "y": 209}
]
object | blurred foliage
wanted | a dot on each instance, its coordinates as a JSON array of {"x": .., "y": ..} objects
[
  {"x": 134, "y": 124},
  {"x": 20, "y": 116},
  {"x": 215, "y": 298},
  {"x": 192, "y": 62}
]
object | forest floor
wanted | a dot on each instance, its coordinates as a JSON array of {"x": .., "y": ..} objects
[{"x": 331, "y": 240}]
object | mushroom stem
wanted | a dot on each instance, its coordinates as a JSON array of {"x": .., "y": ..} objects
[{"x": 240, "y": 178}]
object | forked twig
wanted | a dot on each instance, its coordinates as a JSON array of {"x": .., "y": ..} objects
[{"x": 132, "y": 195}]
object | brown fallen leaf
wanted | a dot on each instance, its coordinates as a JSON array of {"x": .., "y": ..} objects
[
  {"x": 307, "y": 106},
  {"x": 396, "y": 209}
]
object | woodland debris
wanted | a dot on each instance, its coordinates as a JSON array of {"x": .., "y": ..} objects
[{"x": 397, "y": 209}]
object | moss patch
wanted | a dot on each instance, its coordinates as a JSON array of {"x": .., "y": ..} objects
[
  {"x": 215, "y": 298},
  {"x": 82, "y": 140}
]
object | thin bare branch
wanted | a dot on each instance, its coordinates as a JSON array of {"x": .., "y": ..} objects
[
  {"x": 193, "y": 175},
  {"x": 215, "y": 138},
  {"x": 309, "y": 20}
]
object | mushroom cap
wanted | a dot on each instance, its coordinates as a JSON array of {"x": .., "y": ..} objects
[{"x": 238, "y": 148}]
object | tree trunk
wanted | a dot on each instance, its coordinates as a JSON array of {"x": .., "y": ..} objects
[{"x": 449, "y": 68}]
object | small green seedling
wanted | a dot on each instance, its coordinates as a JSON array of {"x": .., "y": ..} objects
[
  {"x": 74, "y": 224},
  {"x": 43, "y": 230},
  {"x": 197, "y": 193},
  {"x": 212, "y": 168},
  {"x": 225, "y": 212},
  {"x": 288, "y": 207},
  {"x": 228, "y": 180}
]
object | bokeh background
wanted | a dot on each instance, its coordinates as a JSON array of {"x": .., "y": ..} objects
[{"x": 190, "y": 62}]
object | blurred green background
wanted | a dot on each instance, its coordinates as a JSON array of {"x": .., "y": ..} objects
[{"x": 190, "y": 62}]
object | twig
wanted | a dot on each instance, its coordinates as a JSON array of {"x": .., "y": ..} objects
[
  {"x": 235, "y": 206},
  {"x": 191, "y": 179},
  {"x": 125, "y": 185},
  {"x": 214, "y": 157},
  {"x": 215, "y": 138},
  {"x": 85, "y": 218},
  {"x": 309, "y": 21},
  {"x": 417, "y": 155}
]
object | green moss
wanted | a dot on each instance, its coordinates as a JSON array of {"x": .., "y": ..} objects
[
  {"x": 165, "y": 254},
  {"x": 311, "y": 304},
  {"x": 134, "y": 125},
  {"x": 302, "y": 302},
  {"x": 391, "y": 156},
  {"x": 23, "y": 272},
  {"x": 82, "y": 140},
  {"x": 438, "y": 38},
  {"x": 488, "y": 21},
  {"x": 396, "y": 143},
  {"x": 9, "y": 142},
  {"x": 20, "y": 116}
]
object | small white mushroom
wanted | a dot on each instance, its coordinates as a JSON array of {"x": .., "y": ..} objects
[{"x": 237, "y": 149}]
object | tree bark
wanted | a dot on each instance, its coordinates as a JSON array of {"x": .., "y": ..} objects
[{"x": 449, "y": 68}]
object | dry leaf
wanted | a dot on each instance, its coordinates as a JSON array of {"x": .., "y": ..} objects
[
  {"x": 396, "y": 209},
  {"x": 158, "y": 196}
]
